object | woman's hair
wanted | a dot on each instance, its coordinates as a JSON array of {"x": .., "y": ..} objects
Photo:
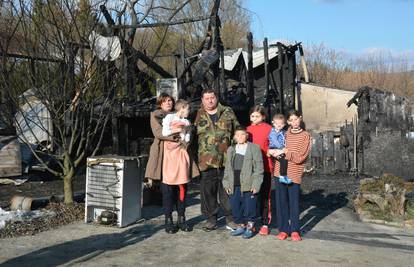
[
  {"x": 260, "y": 109},
  {"x": 294, "y": 112},
  {"x": 279, "y": 116},
  {"x": 162, "y": 98},
  {"x": 180, "y": 104}
]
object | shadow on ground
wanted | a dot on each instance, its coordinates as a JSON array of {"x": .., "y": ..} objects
[
  {"x": 317, "y": 206},
  {"x": 84, "y": 249}
]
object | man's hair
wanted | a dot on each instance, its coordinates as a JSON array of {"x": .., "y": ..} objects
[
  {"x": 162, "y": 98},
  {"x": 208, "y": 91},
  {"x": 181, "y": 103},
  {"x": 279, "y": 116}
]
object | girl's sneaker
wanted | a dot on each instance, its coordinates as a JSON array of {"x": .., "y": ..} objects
[
  {"x": 295, "y": 236},
  {"x": 264, "y": 230},
  {"x": 238, "y": 231},
  {"x": 282, "y": 236},
  {"x": 249, "y": 233}
]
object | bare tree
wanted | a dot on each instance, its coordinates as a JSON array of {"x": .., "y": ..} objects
[{"x": 75, "y": 89}]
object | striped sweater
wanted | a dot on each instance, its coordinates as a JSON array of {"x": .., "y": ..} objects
[{"x": 298, "y": 145}]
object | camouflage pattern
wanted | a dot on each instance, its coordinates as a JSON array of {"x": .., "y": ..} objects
[{"x": 214, "y": 139}]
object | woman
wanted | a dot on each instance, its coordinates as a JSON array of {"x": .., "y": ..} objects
[{"x": 165, "y": 104}]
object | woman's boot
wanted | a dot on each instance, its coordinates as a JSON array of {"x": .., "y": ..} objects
[
  {"x": 170, "y": 227},
  {"x": 182, "y": 224}
]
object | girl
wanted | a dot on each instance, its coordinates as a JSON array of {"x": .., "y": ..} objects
[
  {"x": 176, "y": 163},
  {"x": 287, "y": 195},
  {"x": 259, "y": 132},
  {"x": 243, "y": 176}
]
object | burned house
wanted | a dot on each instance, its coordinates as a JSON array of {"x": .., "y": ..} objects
[
  {"x": 385, "y": 142},
  {"x": 378, "y": 139},
  {"x": 260, "y": 76}
]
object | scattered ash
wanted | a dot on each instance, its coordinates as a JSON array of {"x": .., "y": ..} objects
[
  {"x": 331, "y": 183},
  {"x": 63, "y": 214},
  {"x": 329, "y": 191}
]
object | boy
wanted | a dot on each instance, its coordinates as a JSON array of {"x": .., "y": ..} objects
[
  {"x": 243, "y": 176},
  {"x": 277, "y": 141}
]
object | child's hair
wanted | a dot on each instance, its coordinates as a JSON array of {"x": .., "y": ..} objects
[
  {"x": 162, "y": 98},
  {"x": 180, "y": 104},
  {"x": 260, "y": 109},
  {"x": 240, "y": 128},
  {"x": 279, "y": 116},
  {"x": 294, "y": 112}
]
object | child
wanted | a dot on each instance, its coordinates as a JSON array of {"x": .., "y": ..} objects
[
  {"x": 287, "y": 195},
  {"x": 277, "y": 141},
  {"x": 258, "y": 134},
  {"x": 175, "y": 167},
  {"x": 243, "y": 176}
]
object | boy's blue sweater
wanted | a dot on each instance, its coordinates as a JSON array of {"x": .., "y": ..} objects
[{"x": 277, "y": 139}]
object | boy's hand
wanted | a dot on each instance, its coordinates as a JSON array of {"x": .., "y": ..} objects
[
  {"x": 254, "y": 192},
  {"x": 285, "y": 150},
  {"x": 228, "y": 191}
]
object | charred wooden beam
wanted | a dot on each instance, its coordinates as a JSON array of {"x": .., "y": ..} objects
[
  {"x": 250, "y": 78},
  {"x": 150, "y": 63},
  {"x": 303, "y": 64},
  {"x": 266, "y": 65},
  {"x": 35, "y": 58},
  {"x": 161, "y": 24},
  {"x": 280, "y": 68}
]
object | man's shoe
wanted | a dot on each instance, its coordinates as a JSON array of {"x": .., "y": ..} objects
[
  {"x": 182, "y": 224},
  {"x": 209, "y": 226},
  {"x": 238, "y": 231},
  {"x": 264, "y": 230},
  {"x": 295, "y": 236},
  {"x": 170, "y": 227},
  {"x": 231, "y": 225},
  {"x": 282, "y": 236}
]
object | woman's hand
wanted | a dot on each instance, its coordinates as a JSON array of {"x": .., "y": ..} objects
[
  {"x": 254, "y": 192},
  {"x": 228, "y": 191},
  {"x": 285, "y": 150}
]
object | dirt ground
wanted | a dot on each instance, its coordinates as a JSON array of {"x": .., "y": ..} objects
[{"x": 332, "y": 237}]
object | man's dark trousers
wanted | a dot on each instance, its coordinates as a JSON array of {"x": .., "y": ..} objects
[{"x": 211, "y": 186}]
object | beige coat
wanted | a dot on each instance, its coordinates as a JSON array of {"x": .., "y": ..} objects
[{"x": 154, "y": 165}]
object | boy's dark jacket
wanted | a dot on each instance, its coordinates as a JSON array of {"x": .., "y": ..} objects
[{"x": 251, "y": 175}]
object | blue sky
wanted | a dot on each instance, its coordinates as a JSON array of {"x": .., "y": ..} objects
[{"x": 354, "y": 26}]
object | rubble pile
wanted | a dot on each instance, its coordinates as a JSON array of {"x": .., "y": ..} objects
[
  {"x": 52, "y": 216},
  {"x": 387, "y": 199}
]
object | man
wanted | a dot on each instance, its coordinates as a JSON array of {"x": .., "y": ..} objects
[{"x": 215, "y": 128}]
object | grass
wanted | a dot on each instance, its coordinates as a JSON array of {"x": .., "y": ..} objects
[{"x": 378, "y": 185}]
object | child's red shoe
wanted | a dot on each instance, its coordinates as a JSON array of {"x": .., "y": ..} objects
[
  {"x": 296, "y": 236},
  {"x": 264, "y": 230},
  {"x": 282, "y": 236}
]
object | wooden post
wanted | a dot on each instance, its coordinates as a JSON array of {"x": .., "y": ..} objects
[
  {"x": 250, "y": 77},
  {"x": 280, "y": 68},
  {"x": 266, "y": 69}
]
